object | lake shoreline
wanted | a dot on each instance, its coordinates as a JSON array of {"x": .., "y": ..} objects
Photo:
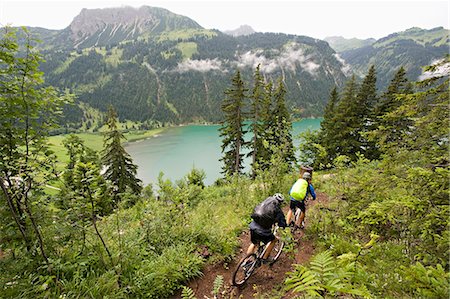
[{"x": 179, "y": 149}]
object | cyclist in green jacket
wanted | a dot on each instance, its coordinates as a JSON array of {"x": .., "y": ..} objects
[{"x": 300, "y": 202}]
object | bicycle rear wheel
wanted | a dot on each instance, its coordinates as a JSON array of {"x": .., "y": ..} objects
[{"x": 245, "y": 269}]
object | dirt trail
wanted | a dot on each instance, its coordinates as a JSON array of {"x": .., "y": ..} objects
[{"x": 265, "y": 278}]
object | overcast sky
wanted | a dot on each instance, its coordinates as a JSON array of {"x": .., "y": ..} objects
[{"x": 319, "y": 19}]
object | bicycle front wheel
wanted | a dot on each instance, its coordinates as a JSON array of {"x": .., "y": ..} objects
[
  {"x": 276, "y": 251},
  {"x": 245, "y": 269}
]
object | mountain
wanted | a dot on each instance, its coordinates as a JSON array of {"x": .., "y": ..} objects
[
  {"x": 242, "y": 30},
  {"x": 412, "y": 49},
  {"x": 155, "y": 65},
  {"x": 111, "y": 26},
  {"x": 340, "y": 44}
]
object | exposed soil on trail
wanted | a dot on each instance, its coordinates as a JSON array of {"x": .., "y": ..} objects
[{"x": 264, "y": 279}]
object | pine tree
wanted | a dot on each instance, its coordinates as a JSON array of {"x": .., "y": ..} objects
[
  {"x": 389, "y": 127},
  {"x": 281, "y": 125},
  {"x": 257, "y": 124},
  {"x": 367, "y": 100},
  {"x": 232, "y": 129},
  {"x": 328, "y": 127},
  {"x": 428, "y": 113},
  {"x": 349, "y": 122},
  {"x": 120, "y": 170},
  {"x": 265, "y": 151}
]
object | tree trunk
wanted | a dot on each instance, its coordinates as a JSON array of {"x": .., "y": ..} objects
[{"x": 19, "y": 223}]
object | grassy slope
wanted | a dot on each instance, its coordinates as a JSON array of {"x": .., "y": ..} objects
[{"x": 94, "y": 141}]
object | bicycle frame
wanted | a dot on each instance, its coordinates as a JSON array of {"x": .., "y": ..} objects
[{"x": 254, "y": 260}]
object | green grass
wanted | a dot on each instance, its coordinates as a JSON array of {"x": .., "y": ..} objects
[
  {"x": 185, "y": 34},
  {"x": 419, "y": 36},
  {"x": 114, "y": 56},
  {"x": 187, "y": 48},
  {"x": 94, "y": 141}
]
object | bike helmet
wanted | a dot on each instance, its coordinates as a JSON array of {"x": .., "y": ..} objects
[
  {"x": 306, "y": 176},
  {"x": 279, "y": 197}
]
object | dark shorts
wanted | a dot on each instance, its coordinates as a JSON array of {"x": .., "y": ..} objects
[
  {"x": 256, "y": 238},
  {"x": 297, "y": 204}
]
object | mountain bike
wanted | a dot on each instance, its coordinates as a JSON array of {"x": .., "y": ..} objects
[
  {"x": 297, "y": 215},
  {"x": 253, "y": 261}
]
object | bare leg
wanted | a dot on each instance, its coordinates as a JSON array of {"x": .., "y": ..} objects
[
  {"x": 289, "y": 216},
  {"x": 269, "y": 248},
  {"x": 251, "y": 249},
  {"x": 300, "y": 219}
]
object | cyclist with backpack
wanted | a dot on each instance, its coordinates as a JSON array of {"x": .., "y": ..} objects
[
  {"x": 266, "y": 214},
  {"x": 299, "y": 193}
]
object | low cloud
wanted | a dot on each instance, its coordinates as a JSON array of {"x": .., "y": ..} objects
[
  {"x": 202, "y": 66},
  {"x": 345, "y": 68},
  {"x": 443, "y": 69},
  {"x": 288, "y": 58}
]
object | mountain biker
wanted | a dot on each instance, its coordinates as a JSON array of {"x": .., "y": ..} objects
[
  {"x": 266, "y": 214},
  {"x": 300, "y": 202}
]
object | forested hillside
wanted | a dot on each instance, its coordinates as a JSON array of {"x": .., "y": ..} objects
[
  {"x": 156, "y": 66},
  {"x": 412, "y": 49},
  {"x": 169, "y": 69}
]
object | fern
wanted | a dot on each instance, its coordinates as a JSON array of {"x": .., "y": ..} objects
[
  {"x": 303, "y": 280},
  {"x": 218, "y": 283},
  {"x": 325, "y": 276},
  {"x": 323, "y": 266},
  {"x": 187, "y": 293},
  {"x": 429, "y": 282}
]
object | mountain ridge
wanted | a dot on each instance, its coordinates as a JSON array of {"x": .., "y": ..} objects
[
  {"x": 241, "y": 30},
  {"x": 170, "y": 69}
]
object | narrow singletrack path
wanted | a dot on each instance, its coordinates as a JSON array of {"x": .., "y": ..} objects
[{"x": 265, "y": 278}]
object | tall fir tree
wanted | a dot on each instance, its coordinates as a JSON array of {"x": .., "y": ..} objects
[
  {"x": 281, "y": 125},
  {"x": 367, "y": 99},
  {"x": 348, "y": 120},
  {"x": 232, "y": 128},
  {"x": 120, "y": 170},
  {"x": 389, "y": 127},
  {"x": 265, "y": 152},
  {"x": 328, "y": 128},
  {"x": 256, "y": 116}
]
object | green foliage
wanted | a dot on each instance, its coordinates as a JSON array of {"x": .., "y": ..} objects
[
  {"x": 187, "y": 293},
  {"x": 232, "y": 129},
  {"x": 325, "y": 276},
  {"x": 196, "y": 177},
  {"x": 120, "y": 170},
  {"x": 159, "y": 276},
  {"x": 27, "y": 112},
  {"x": 217, "y": 285},
  {"x": 427, "y": 282}
]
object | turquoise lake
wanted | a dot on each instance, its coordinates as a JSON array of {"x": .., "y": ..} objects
[{"x": 177, "y": 150}]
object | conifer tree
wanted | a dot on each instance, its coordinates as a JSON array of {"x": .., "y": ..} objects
[
  {"x": 257, "y": 121},
  {"x": 77, "y": 152},
  {"x": 281, "y": 125},
  {"x": 367, "y": 99},
  {"x": 328, "y": 127},
  {"x": 120, "y": 170},
  {"x": 389, "y": 127},
  {"x": 265, "y": 151},
  {"x": 428, "y": 114},
  {"x": 348, "y": 120},
  {"x": 232, "y": 129}
]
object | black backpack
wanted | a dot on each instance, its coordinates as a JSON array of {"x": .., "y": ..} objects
[{"x": 265, "y": 213}]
